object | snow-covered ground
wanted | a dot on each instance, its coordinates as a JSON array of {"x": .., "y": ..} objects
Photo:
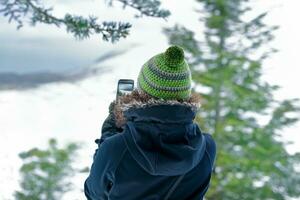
[
  {"x": 65, "y": 112},
  {"x": 76, "y": 112}
]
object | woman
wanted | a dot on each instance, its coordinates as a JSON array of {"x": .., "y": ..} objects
[{"x": 150, "y": 148}]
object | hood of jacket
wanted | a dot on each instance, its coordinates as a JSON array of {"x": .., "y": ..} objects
[{"x": 160, "y": 134}]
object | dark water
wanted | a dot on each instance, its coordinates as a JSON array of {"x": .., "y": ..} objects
[{"x": 27, "y": 55}]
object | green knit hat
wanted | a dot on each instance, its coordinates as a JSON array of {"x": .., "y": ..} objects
[{"x": 166, "y": 75}]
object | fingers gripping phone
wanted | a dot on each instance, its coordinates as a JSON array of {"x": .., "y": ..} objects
[{"x": 125, "y": 86}]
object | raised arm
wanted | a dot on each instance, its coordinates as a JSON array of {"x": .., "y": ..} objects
[{"x": 109, "y": 127}]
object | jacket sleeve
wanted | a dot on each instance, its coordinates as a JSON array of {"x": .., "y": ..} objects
[
  {"x": 211, "y": 149},
  {"x": 109, "y": 127},
  {"x": 211, "y": 152},
  {"x": 97, "y": 184},
  {"x": 99, "y": 181}
]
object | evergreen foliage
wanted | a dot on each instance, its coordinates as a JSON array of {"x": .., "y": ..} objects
[
  {"x": 252, "y": 162},
  {"x": 46, "y": 173},
  {"x": 81, "y": 27}
]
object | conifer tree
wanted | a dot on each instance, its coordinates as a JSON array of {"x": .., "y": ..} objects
[
  {"x": 46, "y": 173},
  {"x": 252, "y": 162}
]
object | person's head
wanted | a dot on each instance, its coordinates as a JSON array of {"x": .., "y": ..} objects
[
  {"x": 163, "y": 79},
  {"x": 166, "y": 75}
]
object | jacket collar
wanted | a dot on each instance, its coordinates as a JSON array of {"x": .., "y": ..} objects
[
  {"x": 139, "y": 106},
  {"x": 162, "y": 113}
]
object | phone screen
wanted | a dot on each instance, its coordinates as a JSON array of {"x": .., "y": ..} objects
[{"x": 125, "y": 87}]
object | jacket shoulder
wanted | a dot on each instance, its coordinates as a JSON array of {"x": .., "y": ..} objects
[
  {"x": 112, "y": 149},
  {"x": 115, "y": 148},
  {"x": 106, "y": 159},
  {"x": 211, "y": 148}
]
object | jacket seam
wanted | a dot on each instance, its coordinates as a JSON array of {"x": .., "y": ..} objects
[
  {"x": 120, "y": 159},
  {"x": 209, "y": 158}
]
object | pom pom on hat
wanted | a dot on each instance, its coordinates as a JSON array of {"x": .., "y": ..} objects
[{"x": 174, "y": 55}]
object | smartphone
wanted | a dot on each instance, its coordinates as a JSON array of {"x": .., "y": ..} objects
[{"x": 125, "y": 86}]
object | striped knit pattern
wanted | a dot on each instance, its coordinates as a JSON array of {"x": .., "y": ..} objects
[{"x": 166, "y": 75}]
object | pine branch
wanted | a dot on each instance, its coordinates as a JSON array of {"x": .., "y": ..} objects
[
  {"x": 81, "y": 27},
  {"x": 150, "y": 8}
]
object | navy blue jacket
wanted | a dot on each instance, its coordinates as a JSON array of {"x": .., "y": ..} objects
[{"x": 156, "y": 146}]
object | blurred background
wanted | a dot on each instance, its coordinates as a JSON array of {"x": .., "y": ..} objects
[{"x": 58, "y": 77}]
